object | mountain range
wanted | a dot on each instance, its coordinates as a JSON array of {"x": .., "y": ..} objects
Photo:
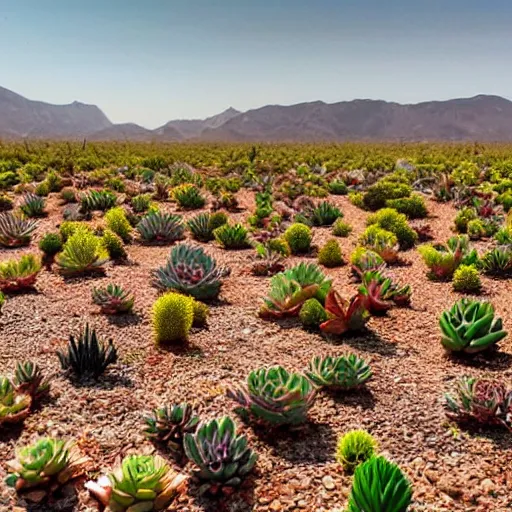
[{"x": 483, "y": 117}]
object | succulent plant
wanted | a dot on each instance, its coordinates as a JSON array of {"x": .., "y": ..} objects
[
  {"x": 114, "y": 246},
  {"x": 168, "y": 425},
  {"x": 46, "y": 465},
  {"x": 161, "y": 227},
  {"x": 2, "y": 300},
  {"x": 266, "y": 262},
  {"x": 341, "y": 228},
  {"x": 14, "y": 405},
  {"x": 18, "y": 275},
  {"x": 363, "y": 260},
  {"x": 467, "y": 279},
  {"x": 82, "y": 253},
  {"x": 379, "y": 486},
  {"x": 32, "y": 205},
  {"x": 113, "y": 299},
  {"x": 470, "y": 326},
  {"x": 141, "y": 203},
  {"x": 191, "y": 271},
  {"x": 342, "y": 372},
  {"x": 142, "y": 483},
  {"x": 312, "y": 314},
  {"x": 330, "y": 254},
  {"x": 298, "y": 236},
  {"x": 381, "y": 241},
  {"x": 484, "y": 400},
  {"x": 188, "y": 196},
  {"x": 325, "y": 214},
  {"x": 343, "y": 315},
  {"x": 275, "y": 396},
  {"x": 50, "y": 244},
  {"x": 201, "y": 228},
  {"x": 354, "y": 448},
  {"x": 392, "y": 221},
  {"x": 87, "y": 357},
  {"x": 172, "y": 317},
  {"x": 117, "y": 222},
  {"x": 498, "y": 261},
  {"x": 97, "y": 200},
  {"x": 15, "y": 231},
  {"x": 232, "y": 236},
  {"x": 29, "y": 379},
  {"x": 380, "y": 292},
  {"x": 222, "y": 456}
]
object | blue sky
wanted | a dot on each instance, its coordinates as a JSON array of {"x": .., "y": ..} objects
[{"x": 149, "y": 61}]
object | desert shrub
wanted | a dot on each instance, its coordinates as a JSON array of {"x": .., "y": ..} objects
[
  {"x": 476, "y": 229},
  {"x": 51, "y": 244},
  {"x": 338, "y": 187},
  {"x": 504, "y": 236},
  {"x": 354, "y": 448},
  {"x": 173, "y": 315},
  {"x": 115, "y": 183},
  {"x": 218, "y": 219},
  {"x": 117, "y": 222},
  {"x": 113, "y": 244},
  {"x": 68, "y": 195},
  {"x": 505, "y": 200},
  {"x": 466, "y": 279},
  {"x": 312, "y": 314},
  {"x": 140, "y": 203},
  {"x": 8, "y": 179},
  {"x": 463, "y": 217},
  {"x": 356, "y": 198},
  {"x": 68, "y": 227},
  {"x": 32, "y": 205},
  {"x": 381, "y": 241},
  {"x": 413, "y": 207},
  {"x": 341, "y": 228},
  {"x": 279, "y": 245},
  {"x": 298, "y": 236},
  {"x": 188, "y": 196},
  {"x": 396, "y": 223},
  {"x": 330, "y": 254},
  {"x": 377, "y": 194},
  {"x": 82, "y": 252}
]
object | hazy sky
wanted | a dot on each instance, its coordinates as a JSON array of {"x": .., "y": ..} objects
[{"x": 149, "y": 61}]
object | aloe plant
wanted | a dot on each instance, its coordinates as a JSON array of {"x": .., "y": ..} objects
[
  {"x": 343, "y": 372},
  {"x": 15, "y": 231}
]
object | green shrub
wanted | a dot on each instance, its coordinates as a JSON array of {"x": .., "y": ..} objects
[
  {"x": 8, "y": 179},
  {"x": 341, "y": 228},
  {"x": 115, "y": 183},
  {"x": 232, "y": 236},
  {"x": 324, "y": 214},
  {"x": 42, "y": 189},
  {"x": 113, "y": 244},
  {"x": 51, "y": 244},
  {"x": 379, "y": 193},
  {"x": 356, "y": 198},
  {"x": 381, "y": 241},
  {"x": 218, "y": 219},
  {"x": 504, "y": 236},
  {"x": 354, "y": 448},
  {"x": 279, "y": 245},
  {"x": 54, "y": 181},
  {"x": 82, "y": 252},
  {"x": 97, "y": 200},
  {"x": 466, "y": 279},
  {"x": 68, "y": 195},
  {"x": 505, "y": 200},
  {"x": 338, "y": 187},
  {"x": 68, "y": 227},
  {"x": 172, "y": 317},
  {"x": 396, "y": 223},
  {"x": 330, "y": 254},
  {"x": 188, "y": 197},
  {"x": 117, "y": 222},
  {"x": 298, "y": 236},
  {"x": 463, "y": 217},
  {"x": 413, "y": 207},
  {"x": 312, "y": 314},
  {"x": 141, "y": 203}
]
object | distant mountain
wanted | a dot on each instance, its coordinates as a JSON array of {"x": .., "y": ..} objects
[
  {"x": 192, "y": 128},
  {"x": 21, "y": 117},
  {"x": 485, "y": 118}
]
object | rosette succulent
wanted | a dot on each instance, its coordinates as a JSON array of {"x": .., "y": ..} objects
[
  {"x": 275, "y": 396},
  {"x": 47, "y": 464},
  {"x": 344, "y": 315},
  {"x": 14, "y": 405},
  {"x": 113, "y": 299},
  {"x": 191, "y": 271},
  {"x": 18, "y": 275},
  {"x": 343, "y": 372},
  {"x": 470, "y": 326},
  {"x": 15, "y": 230},
  {"x": 142, "y": 483},
  {"x": 161, "y": 227},
  {"x": 222, "y": 456},
  {"x": 380, "y": 292}
]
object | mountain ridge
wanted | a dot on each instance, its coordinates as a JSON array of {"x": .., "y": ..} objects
[{"x": 481, "y": 117}]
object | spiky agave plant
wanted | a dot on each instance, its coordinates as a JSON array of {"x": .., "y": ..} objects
[
  {"x": 470, "y": 326},
  {"x": 380, "y": 292},
  {"x": 14, "y": 405},
  {"x": 232, "y": 236},
  {"x": 141, "y": 483},
  {"x": 97, "y": 200},
  {"x": 379, "y": 486},
  {"x": 342, "y": 372},
  {"x": 18, "y": 275},
  {"x": 160, "y": 227},
  {"x": 344, "y": 315},
  {"x": 325, "y": 214},
  {"x": 32, "y": 205},
  {"x": 190, "y": 270},
  {"x": 29, "y": 379},
  {"x": 113, "y": 299},
  {"x": 87, "y": 357},
  {"x": 222, "y": 456},
  {"x": 46, "y": 465},
  {"x": 15, "y": 231},
  {"x": 201, "y": 228},
  {"x": 275, "y": 396},
  {"x": 485, "y": 400},
  {"x": 498, "y": 261},
  {"x": 168, "y": 425}
]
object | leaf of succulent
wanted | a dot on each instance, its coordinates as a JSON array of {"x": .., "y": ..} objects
[
  {"x": 275, "y": 396},
  {"x": 343, "y": 372},
  {"x": 29, "y": 379},
  {"x": 344, "y": 316},
  {"x": 222, "y": 456},
  {"x": 485, "y": 400},
  {"x": 142, "y": 483},
  {"x": 87, "y": 357},
  {"x": 47, "y": 464},
  {"x": 14, "y": 404},
  {"x": 113, "y": 299},
  {"x": 470, "y": 326},
  {"x": 168, "y": 425},
  {"x": 191, "y": 271},
  {"x": 15, "y": 231}
]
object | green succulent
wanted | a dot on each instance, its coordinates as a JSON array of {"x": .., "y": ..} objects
[
  {"x": 117, "y": 222},
  {"x": 232, "y": 236},
  {"x": 470, "y": 326},
  {"x": 354, "y": 448},
  {"x": 325, "y": 214},
  {"x": 14, "y": 405},
  {"x": 330, "y": 254},
  {"x": 113, "y": 299},
  {"x": 467, "y": 279},
  {"x": 18, "y": 275},
  {"x": 312, "y": 314},
  {"x": 298, "y": 236},
  {"x": 51, "y": 244},
  {"x": 15, "y": 231},
  {"x": 97, "y": 200},
  {"x": 33, "y": 205},
  {"x": 341, "y": 228},
  {"x": 188, "y": 196},
  {"x": 342, "y": 372},
  {"x": 113, "y": 245},
  {"x": 161, "y": 227},
  {"x": 172, "y": 316}
]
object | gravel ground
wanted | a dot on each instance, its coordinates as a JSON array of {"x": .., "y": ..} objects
[{"x": 451, "y": 468}]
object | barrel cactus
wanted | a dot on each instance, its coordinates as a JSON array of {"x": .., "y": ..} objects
[
  {"x": 173, "y": 315},
  {"x": 191, "y": 271},
  {"x": 470, "y": 326},
  {"x": 142, "y": 483},
  {"x": 275, "y": 396},
  {"x": 222, "y": 456}
]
